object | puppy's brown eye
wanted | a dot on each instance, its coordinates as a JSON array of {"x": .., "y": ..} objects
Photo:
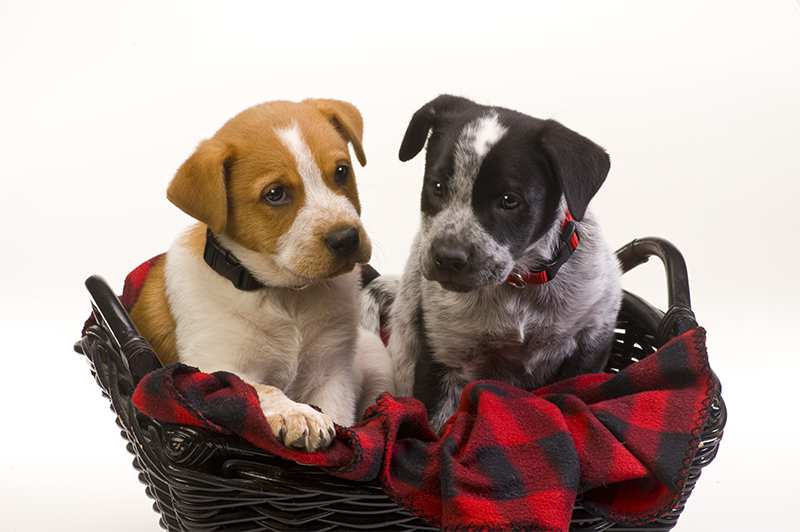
[
  {"x": 276, "y": 195},
  {"x": 341, "y": 174},
  {"x": 438, "y": 188},
  {"x": 509, "y": 201}
]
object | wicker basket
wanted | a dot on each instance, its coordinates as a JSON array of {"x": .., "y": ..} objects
[{"x": 204, "y": 481}]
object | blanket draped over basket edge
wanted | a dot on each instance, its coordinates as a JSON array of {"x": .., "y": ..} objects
[{"x": 508, "y": 458}]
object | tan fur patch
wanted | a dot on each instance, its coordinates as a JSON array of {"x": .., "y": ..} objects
[
  {"x": 152, "y": 315},
  {"x": 261, "y": 160},
  {"x": 222, "y": 184}
]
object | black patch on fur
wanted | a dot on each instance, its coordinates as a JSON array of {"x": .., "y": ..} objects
[
  {"x": 368, "y": 274},
  {"x": 377, "y": 292},
  {"x": 536, "y": 159},
  {"x": 439, "y": 161},
  {"x": 586, "y": 359},
  {"x": 580, "y": 165},
  {"x": 428, "y": 373},
  {"x": 514, "y": 165},
  {"x": 425, "y": 118}
]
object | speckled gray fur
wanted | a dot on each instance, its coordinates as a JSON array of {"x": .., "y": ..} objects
[{"x": 521, "y": 336}]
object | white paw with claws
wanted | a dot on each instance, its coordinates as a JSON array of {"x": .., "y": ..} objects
[{"x": 296, "y": 425}]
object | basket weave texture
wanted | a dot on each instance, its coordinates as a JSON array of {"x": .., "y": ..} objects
[{"x": 202, "y": 481}]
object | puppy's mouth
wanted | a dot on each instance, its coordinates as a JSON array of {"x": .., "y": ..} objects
[
  {"x": 317, "y": 264},
  {"x": 467, "y": 281},
  {"x": 342, "y": 266}
]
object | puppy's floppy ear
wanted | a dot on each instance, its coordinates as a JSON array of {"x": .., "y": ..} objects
[
  {"x": 422, "y": 122},
  {"x": 580, "y": 165},
  {"x": 346, "y": 119},
  {"x": 199, "y": 186}
]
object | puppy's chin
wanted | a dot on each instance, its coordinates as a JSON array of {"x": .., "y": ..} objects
[
  {"x": 312, "y": 272},
  {"x": 467, "y": 283},
  {"x": 345, "y": 268},
  {"x": 313, "y": 276},
  {"x": 455, "y": 287},
  {"x": 461, "y": 285}
]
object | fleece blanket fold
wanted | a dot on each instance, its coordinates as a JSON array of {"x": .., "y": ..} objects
[{"x": 508, "y": 458}]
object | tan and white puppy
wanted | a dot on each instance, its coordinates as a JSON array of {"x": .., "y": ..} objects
[{"x": 275, "y": 185}]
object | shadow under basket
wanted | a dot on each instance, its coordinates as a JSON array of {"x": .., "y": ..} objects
[{"x": 204, "y": 481}]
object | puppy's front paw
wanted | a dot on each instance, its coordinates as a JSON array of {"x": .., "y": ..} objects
[{"x": 300, "y": 426}]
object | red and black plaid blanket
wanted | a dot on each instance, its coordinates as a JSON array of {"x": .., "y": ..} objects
[{"x": 508, "y": 458}]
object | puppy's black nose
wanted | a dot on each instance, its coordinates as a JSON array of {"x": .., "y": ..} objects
[
  {"x": 450, "y": 258},
  {"x": 343, "y": 242}
]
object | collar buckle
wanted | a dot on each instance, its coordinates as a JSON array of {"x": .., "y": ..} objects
[
  {"x": 568, "y": 242},
  {"x": 516, "y": 280}
]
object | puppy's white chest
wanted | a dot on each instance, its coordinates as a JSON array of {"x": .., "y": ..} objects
[
  {"x": 260, "y": 335},
  {"x": 270, "y": 343}
]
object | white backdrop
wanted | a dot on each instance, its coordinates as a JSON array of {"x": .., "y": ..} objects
[{"x": 698, "y": 104}]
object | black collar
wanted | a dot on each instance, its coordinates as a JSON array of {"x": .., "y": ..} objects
[{"x": 227, "y": 265}]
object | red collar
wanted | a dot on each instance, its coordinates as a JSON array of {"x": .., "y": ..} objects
[{"x": 567, "y": 244}]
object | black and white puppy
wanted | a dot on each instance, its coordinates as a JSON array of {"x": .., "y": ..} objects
[{"x": 509, "y": 277}]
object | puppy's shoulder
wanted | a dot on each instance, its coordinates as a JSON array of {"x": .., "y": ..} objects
[
  {"x": 152, "y": 315},
  {"x": 191, "y": 285}
]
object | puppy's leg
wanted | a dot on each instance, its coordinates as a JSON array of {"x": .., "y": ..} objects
[
  {"x": 402, "y": 364},
  {"x": 376, "y": 302},
  {"x": 373, "y": 366},
  {"x": 450, "y": 395},
  {"x": 336, "y": 395},
  {"x": 405, "y": 327},
  {"x": 591, "y": 355},
  {"x": 352, "y": 381},
  {"x": 293, "y": 424}
]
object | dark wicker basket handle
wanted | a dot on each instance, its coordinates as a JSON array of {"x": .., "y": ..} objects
[
  {"x": 679, "y": 317},
  {"x": 139, "y": 357}
]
